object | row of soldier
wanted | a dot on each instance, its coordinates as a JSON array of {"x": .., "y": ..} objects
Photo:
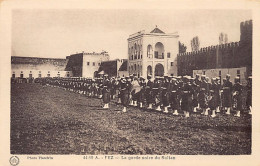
[{"x": 169, "y": 94}]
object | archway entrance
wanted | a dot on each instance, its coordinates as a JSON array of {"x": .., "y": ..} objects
[
  {"x": 159, "y": 70},
  {"x": 159, "y": 51},
  {"x": 149, "y": 70}
]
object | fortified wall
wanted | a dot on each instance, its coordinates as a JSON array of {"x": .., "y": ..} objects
[{"x": 230, "y": 55}]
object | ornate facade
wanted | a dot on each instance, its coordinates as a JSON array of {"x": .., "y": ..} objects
[{"x": 153, "y": 53}]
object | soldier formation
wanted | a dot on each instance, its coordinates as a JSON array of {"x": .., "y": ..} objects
[{"x": 168, "y": 94}]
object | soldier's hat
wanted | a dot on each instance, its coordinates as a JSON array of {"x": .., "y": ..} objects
[
  {"x": 197, "y": 74},
  {"x": 250, "y": 77},
  {"x": 105, "y": 75},
  {"x": 228, "y": 75},
  {"x": 237, "y": 79},
  {"x": 217, "y": 78},
  {"x": 123, "y": 80}
]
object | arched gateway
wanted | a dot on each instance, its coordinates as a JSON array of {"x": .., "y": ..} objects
[{"x": 159, "y": 70}]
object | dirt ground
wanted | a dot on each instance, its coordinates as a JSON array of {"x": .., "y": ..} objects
[{"x": 48, "y": 120}]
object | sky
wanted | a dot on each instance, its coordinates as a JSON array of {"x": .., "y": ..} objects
[{"x": 59, "y": 33}]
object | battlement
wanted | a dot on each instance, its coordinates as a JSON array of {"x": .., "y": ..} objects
[
  {"x": 247, "y": 23},
  {"x": 92, "y": 53},
  {"x": 212, "y": 48}
]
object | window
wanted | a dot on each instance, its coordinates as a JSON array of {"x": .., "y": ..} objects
[
  {"x": 171, "y": 63},
  {"x": 39, "y": 75},
  {"x": 238, "y": 71},
  {"x": 48, "y": 71},
  {"x": 48, "y": 75},
  {"x": 13, "y": 75},
  {"x": 58, "y": 75},
  {"x": 39, "y": 71},
  {"x": 21, "y": 71},
  {"x": 171, "y": 74},
  {"x": 88, "y": 63},
  {"x": 94, "y": 63},
  {"x": 204, "y": 72},
  {"x": 30, "y": 71},
  {"x": 30, "y": 75},
  {"x": 21, "y": 75},
  {"x": 68, "y": 75},
  {"x": 219, "y": 73},
  {"x": 168, "y": 55}
]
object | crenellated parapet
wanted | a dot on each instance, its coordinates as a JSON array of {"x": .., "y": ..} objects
[{"x": 232, "y": 45}]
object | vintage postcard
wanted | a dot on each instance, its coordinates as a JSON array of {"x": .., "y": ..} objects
[{"x": 132, "y": 83}]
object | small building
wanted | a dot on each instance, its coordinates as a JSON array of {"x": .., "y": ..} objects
[
  {"x": 86, "y": 64},
  {"x": 113, "y": 68},
  {"x": 34, "y": 67}
]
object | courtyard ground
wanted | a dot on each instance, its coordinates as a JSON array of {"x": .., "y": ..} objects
[{"x": 48, "y": 120}]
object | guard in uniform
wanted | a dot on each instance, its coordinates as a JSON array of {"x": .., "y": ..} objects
[
  {"x": 106, "y": 92},
  {"x": 227, "y": 94},
  {"x": 165, "y": 94},
  {"x": 125, "y": 87},
  {"x": 203, "y": 95},
  {"x": 196, "y": 88},
  {"x": 157, "y": 91},
  {"x": 141, "y": 98},
  {"x": 249, "y": 94},
  {"x": 213, "y": 93},
  {"x": 174, "y": 96},
  {"x": 149, "y": 93},
  {"x": 217, "y": 94},
  {"x": 186, "y": 103},
  {"x": 237, "y": 96}
]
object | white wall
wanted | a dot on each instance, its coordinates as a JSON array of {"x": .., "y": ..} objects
[
  {"x": 232, "y": 71},
  {"x": 89, "y": 70},
  {"x": 43, "y": 73}
]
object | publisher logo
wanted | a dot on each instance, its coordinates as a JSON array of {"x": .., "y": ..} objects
[{"x": 14, "y": 160}]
